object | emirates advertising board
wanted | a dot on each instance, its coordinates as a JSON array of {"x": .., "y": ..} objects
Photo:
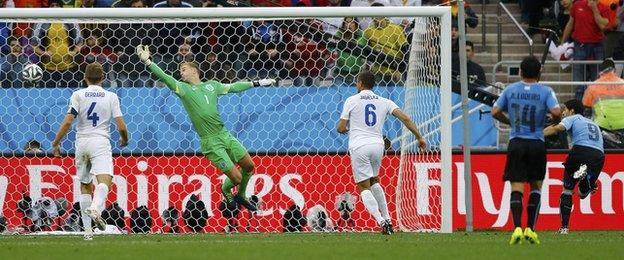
[{"x": 281, "y": 181}]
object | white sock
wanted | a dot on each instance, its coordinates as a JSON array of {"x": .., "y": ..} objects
[
  {"x": 99, "y": 196},
  {"x": 85, "y": 203},
  {"x": 380, "y": 197},
  {"x": 371, "y": 205}
]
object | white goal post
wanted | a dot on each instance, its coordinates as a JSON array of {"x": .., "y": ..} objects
[{"x": 302, "y": 166}]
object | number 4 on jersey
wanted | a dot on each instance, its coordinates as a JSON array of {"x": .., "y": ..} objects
[{"x": 93, "y": 117}]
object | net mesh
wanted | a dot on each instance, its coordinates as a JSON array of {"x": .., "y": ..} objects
[
  {"x": 419, "y": 187},
  {"x": 302, "y": 178}
]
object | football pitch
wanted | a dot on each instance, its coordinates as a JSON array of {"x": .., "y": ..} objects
[{"x": 489, "y": 245}]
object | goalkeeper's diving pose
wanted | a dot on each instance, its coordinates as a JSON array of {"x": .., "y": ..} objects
[{"x": 217, "y": 144}]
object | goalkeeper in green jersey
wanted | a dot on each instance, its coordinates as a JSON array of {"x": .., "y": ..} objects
[{"x": 217, "y": 144}]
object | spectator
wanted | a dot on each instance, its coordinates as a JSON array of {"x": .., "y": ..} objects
[
  {"x": 5, "y": 33},
  {"x": 92, "y": 28},
  {"x": 169, "y": 32},
  {"x": 121, "y": 4},
  {"x": 454, "y": 37},
  {"x": 532, "y": 10},
  {"x": 273, "y": 3},
  {"x": 170, "y": 63},
  {"x": 476, "y": 75},
  {"x": 215, "y": 69},
  {"x": 87, "y": 3},
  {"x": 57, "y": 44},
  {"x": 32, "y": 147},
  {"x": 123, "y": 38},
  {"x": 71, "y": 3},
  {"x": 585, "y": 27},
  {"x": 264, "y": 48},
  {"x": 208, "y": 3},
  {"x": 349, "y": 62},
  {"x": 332, "y": 25},
  {"x": 366, "y": 22},
  {"x": 96, "y": 51},
  {"x": 24, "y": 29},
  {"x": 471, "y": 18},
  {"x": 308, "y": 58},
  {"x": 524, "y": 16},
  {"x": 563, "y": 13},
  {"x": 12, "y": 64},
  {"x": 225, "y": 39},
  {"x": 607, "y": 101},
  {"x": 618, "y": 54},
  {"x": 232, "y": 3},
  {"x": 98, "y": 3},
  {"x": 91, "y": 4},
  {"x": 405, "y": 22},
  {"x": 614, "y": 31},
  {"x": 389, "y": 39},
  {"x": 172, "y": 3}
]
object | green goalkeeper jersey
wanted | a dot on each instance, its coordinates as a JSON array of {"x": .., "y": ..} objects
[{"x": 200, "y": 101}]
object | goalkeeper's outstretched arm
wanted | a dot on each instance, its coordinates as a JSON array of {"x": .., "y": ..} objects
[
  {"x": 144, "y": 55},
  {"x": 241, "y": 86}
]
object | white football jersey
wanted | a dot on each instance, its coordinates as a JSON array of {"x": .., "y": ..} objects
[
  {"x": 94, "y": 108},
  {"x": 366, "y": 112}
]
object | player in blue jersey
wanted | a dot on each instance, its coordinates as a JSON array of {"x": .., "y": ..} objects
[
  {"x": 585, "y": 160},
  {"x": 523, "y": 105}
]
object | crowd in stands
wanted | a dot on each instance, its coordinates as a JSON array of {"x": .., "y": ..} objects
[
  {"x": 594, "y": 31},
  {"x": 305, "y": 51}
]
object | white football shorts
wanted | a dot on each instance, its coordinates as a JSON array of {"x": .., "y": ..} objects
[
  {"x": 93, "y": 157},
  {"x": 366, "y": 161}
]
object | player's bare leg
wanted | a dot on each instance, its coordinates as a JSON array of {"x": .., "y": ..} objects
[
  {"x": 370, "y": 203},
  {"x": 247, "y": 167},
  {"x": 380, "y": 197},
  {"x": 85, "y": 202},
  {"x": 99, "y": 198}
]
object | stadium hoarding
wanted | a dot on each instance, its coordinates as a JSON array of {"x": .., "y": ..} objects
[{"x": 281, "y": 181}]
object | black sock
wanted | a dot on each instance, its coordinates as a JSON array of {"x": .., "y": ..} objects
[
  {"x": 515, "y": 203},
  {"x": 565, "y": 206},
  {"x": 533, "y": 208}
]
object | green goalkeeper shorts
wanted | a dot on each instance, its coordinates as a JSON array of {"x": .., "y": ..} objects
[{"x": 223, "y": 150}]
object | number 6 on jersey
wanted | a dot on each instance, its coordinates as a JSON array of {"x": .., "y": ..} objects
[{"x": 369, "y": 115}]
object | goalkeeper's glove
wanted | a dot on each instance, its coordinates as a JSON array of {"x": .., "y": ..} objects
[
  {"x": 264, "y": 82},
  {"x": 144, "y": 54}
]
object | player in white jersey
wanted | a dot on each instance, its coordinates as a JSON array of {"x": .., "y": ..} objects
[
  {"x": 94, "y": 108},
  {"x": 365, "y": 114}
]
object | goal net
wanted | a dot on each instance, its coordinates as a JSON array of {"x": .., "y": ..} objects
[{"x": 302, "y": 179}]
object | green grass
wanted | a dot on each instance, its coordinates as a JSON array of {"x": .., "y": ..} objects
[{"x": 489, "y": 245}]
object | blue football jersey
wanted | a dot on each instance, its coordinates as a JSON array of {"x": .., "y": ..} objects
[
  {"x": 527, "y": 105},
  {"x": 583, "y": 131}
]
